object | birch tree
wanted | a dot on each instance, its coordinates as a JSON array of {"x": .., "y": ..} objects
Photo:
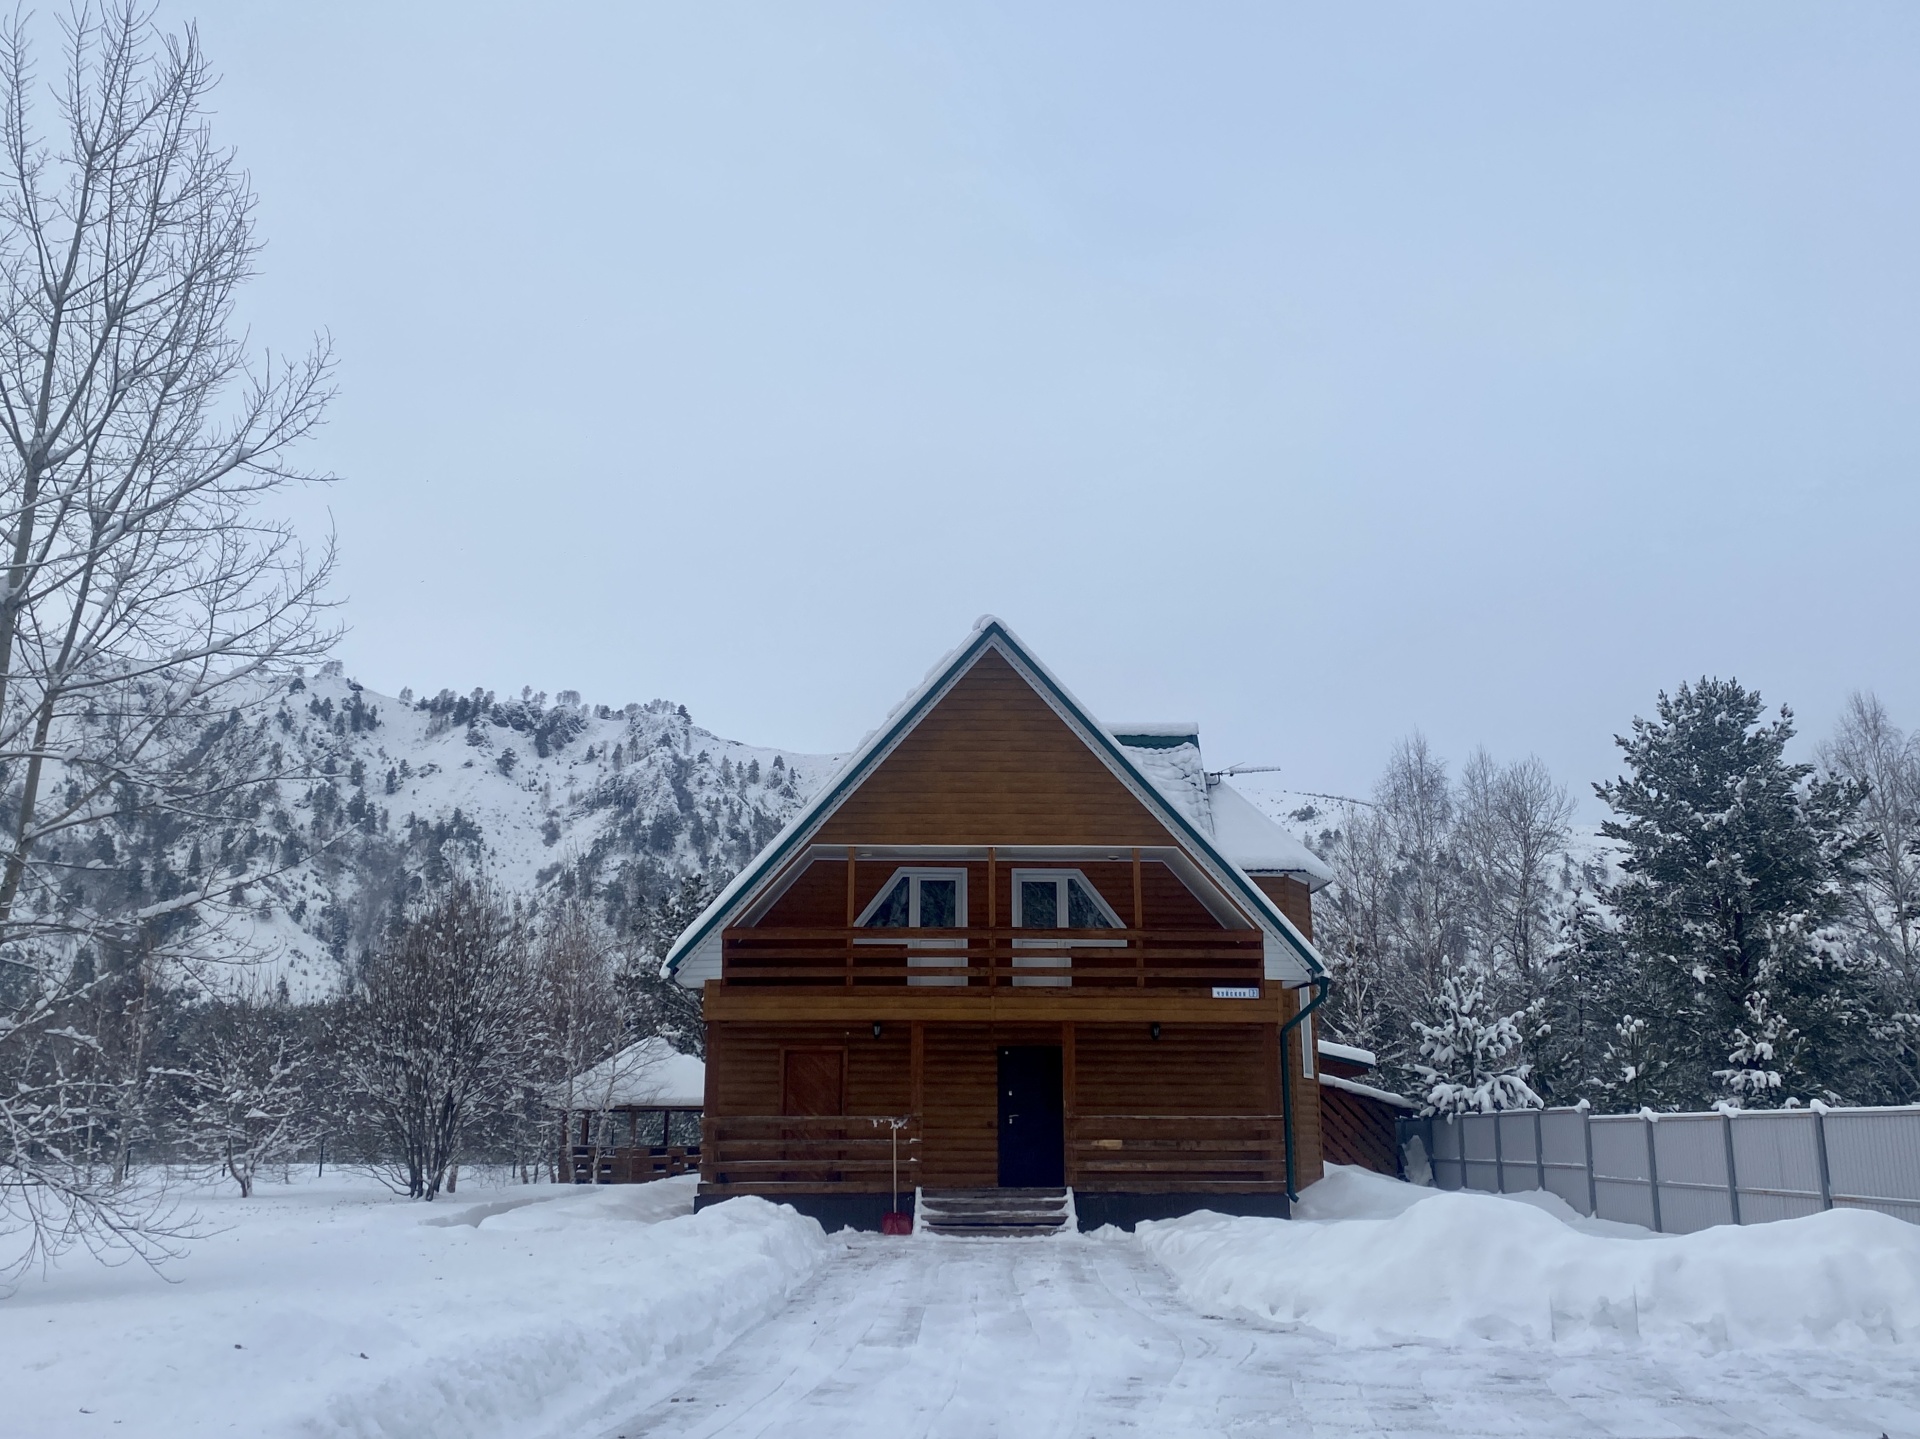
[
  {"x": 575, "y": 961},
  {"x": 1883, "y": 920},
  {"x": 147, "y": 589},
  {"x": 1512, "y": 834}
]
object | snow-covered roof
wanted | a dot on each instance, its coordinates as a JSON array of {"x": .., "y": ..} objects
[
  {"x": 1348, "y": 1052},
  {"x": 1176, "y": 772},
  {"x": 1169, "y": 755},
  {"x": 1167, "y": 792},
  {"x": 1367, "y": 1091},
  {"x": 649, "y": 1073}
]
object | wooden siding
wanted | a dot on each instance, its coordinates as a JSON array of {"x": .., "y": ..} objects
[
  {"x": 1359, "y": 1130},
  {"x": 1294, "y": 898},
  {"x": 745, "y": 1067},
  {"x": 960, "y": 1126},
  {"x": 1190, "y": 1069},
  {"x": 990, "y": 763}
]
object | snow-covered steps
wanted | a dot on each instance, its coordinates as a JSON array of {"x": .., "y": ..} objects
[{"x": 1006, "y": 1213}]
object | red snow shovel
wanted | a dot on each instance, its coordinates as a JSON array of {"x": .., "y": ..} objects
[{"x": 894, "y": 1221}]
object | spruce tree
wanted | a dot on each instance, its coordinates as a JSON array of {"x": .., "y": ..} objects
[
  {"x": 1734, "y": 863},
  {"x": 1471, "y": 1052}
]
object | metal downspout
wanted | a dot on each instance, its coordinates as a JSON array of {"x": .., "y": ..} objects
[{"x": 1321, "y": 984}]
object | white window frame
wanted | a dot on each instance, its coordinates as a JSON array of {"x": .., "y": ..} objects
[
  {"x": 1037, "y": 940},
  {"x": 937, "y": 952},
  {"x": 1060, "y": 877}
]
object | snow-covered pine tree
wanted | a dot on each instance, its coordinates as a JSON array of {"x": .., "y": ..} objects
[
  {"x": 654, "y": 1002},
  {"x": 1735, "y": 863},
  {"x": 1470, "y": 1055}
]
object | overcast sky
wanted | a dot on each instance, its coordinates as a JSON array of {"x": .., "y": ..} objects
[{"x": 1318, "y": 374}]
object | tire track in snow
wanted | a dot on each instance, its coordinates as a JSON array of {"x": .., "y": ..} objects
[{"x": 1085, "y": 1339}]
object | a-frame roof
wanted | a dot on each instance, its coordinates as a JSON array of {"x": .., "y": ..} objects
[{"x": 1290, "y": 956}]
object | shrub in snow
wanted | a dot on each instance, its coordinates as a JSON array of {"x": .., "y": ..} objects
[
  {"x": 242, "y": 1100},
  {"x": 1471, "y": 1064}
]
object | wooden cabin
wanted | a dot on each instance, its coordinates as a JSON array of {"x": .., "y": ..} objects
[{"x": 1009, "y": 947}]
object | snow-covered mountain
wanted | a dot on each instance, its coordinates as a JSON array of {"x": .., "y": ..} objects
[{"x": 387, "y": 793}]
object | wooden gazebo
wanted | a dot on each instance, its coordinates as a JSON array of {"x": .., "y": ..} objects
[{"x": 635, "y": 1116}]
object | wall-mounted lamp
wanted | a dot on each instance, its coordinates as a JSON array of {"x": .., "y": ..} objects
[
  {"x": 1154, "y": 1029},
  {"x": 876, "y": 1029}
]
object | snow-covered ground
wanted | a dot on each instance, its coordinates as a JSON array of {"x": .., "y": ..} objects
[
  {"x": 333, "y": 1308},
  {"x": 1377, "y": 1262},
  {"x": 329, "y": 1308},
  {"x": 1090, "y": 1338}
]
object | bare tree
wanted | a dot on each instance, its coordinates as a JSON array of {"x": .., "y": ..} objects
[
  {"x": 1512, "y": 837},
  {"x": 1352, "y": 927},
  {"x": 1427, "y": 919},
  {"x": 1884, "y": 892},
  {"x": 1396, "y": 920},
  {"x": 244, "y": 1100},
  {"x": 575, "y": 961},
  {"x": 144, "y": 593},
  {"x": 439, "y": 1034}
]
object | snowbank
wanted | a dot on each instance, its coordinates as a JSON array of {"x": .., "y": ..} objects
[
  {"x": 1371, "y": 1260},
  {"x": 338, "y": 1311}
]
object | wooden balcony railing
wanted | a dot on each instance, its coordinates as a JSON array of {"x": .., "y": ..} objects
[
  {"x": 1160, "y": 1153},
  {"x": 1048, "y": 960},
  {"x": 771, "y": 1154},
  {"x": 1126, "y": 1153}
]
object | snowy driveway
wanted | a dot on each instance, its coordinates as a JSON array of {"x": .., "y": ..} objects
[{"x": 1085, "y": 1338}]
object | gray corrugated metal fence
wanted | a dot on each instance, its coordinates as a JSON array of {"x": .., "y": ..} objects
[{"x": 1682, "y": 1172}]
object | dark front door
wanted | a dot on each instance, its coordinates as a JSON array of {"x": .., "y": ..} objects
[{"x": 1032, "y": 1131}]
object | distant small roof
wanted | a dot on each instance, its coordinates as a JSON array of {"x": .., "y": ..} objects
[
  {"x": 1351, "y": 1053},
  {"x": 1367, "y": 1091},
  {"x": 649, "y": 1073}
]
